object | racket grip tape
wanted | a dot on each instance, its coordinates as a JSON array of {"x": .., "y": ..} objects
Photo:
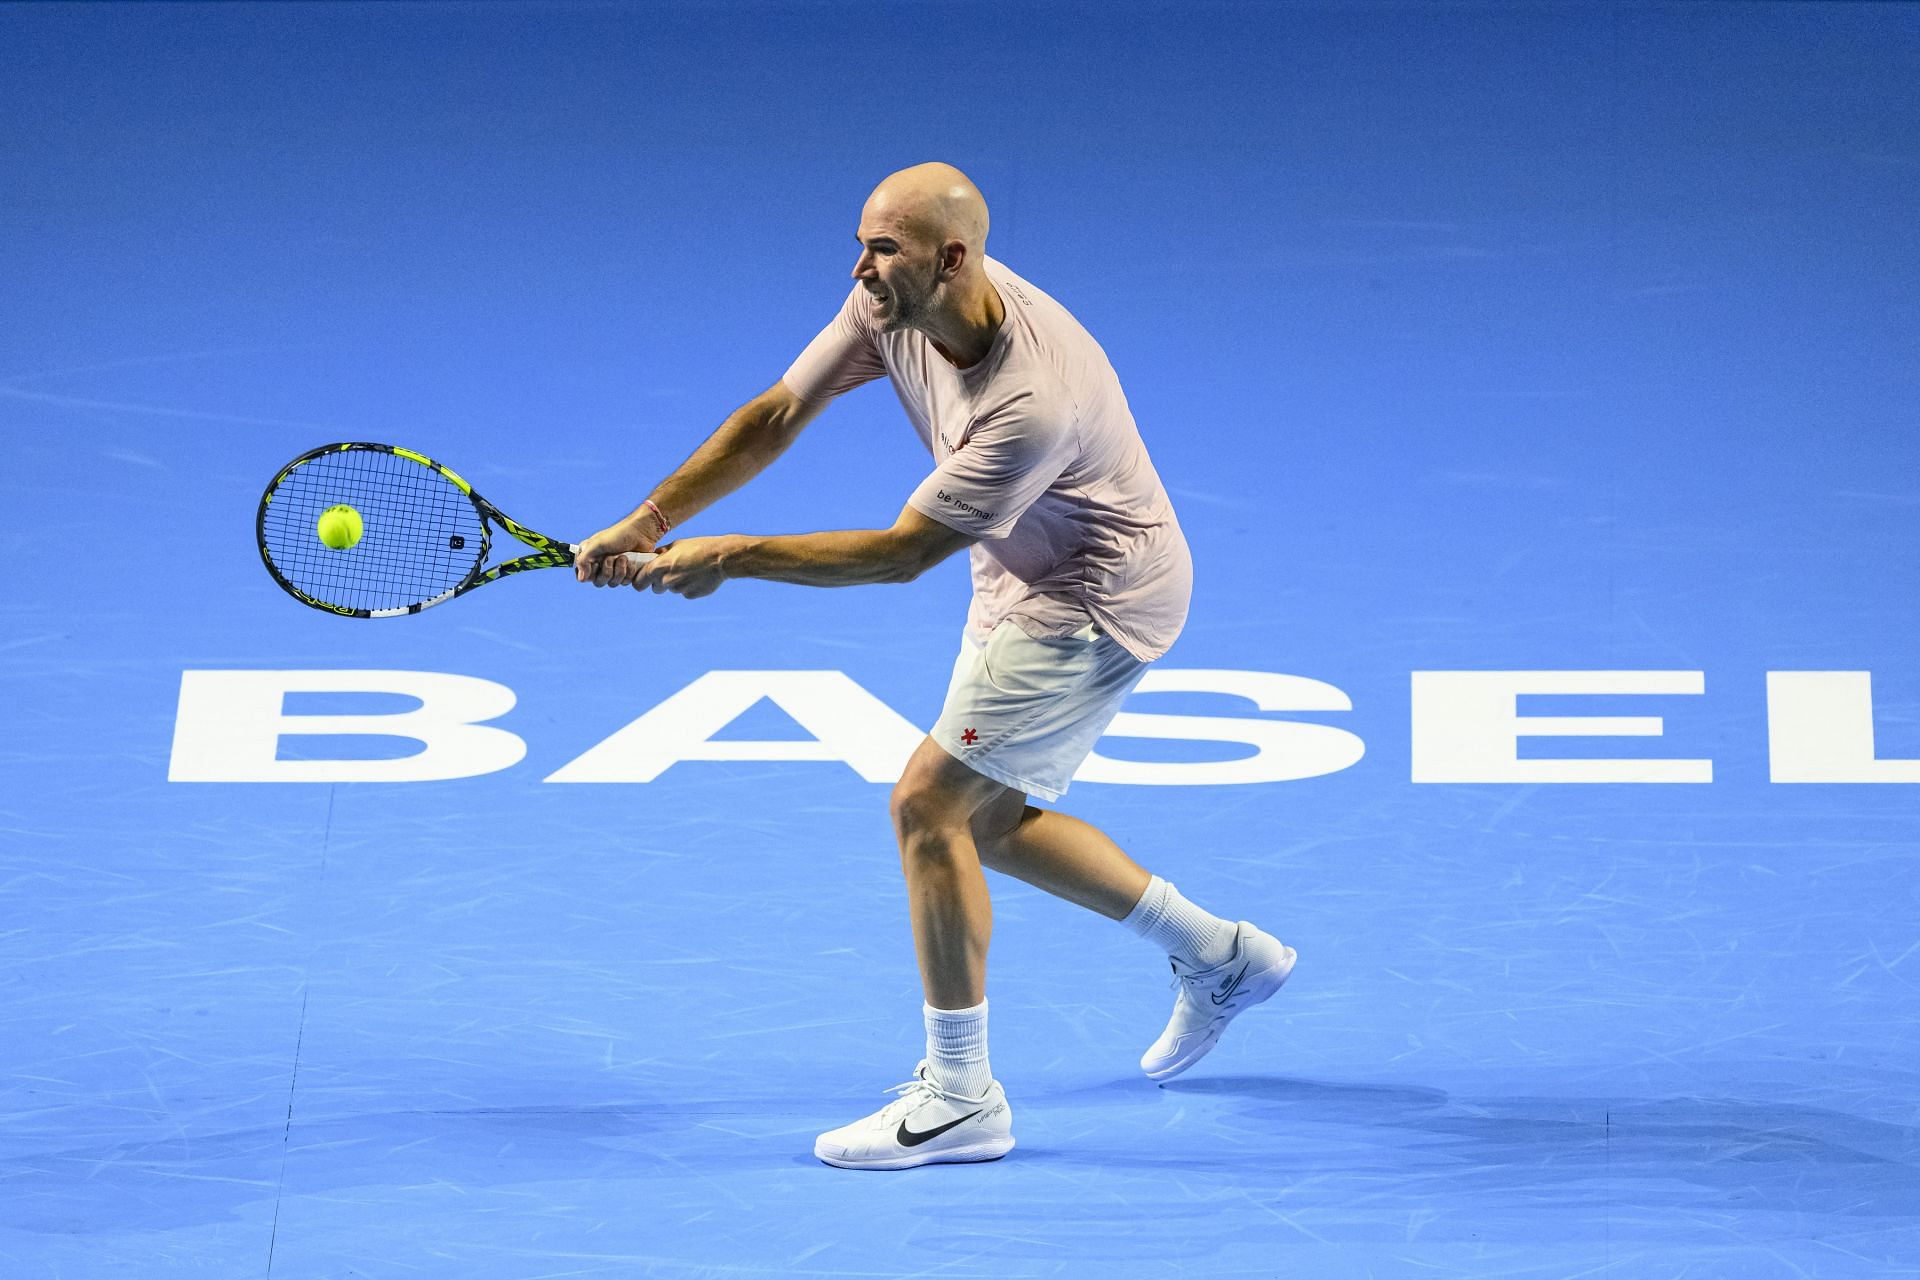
[{"x": 634, "y": 558}]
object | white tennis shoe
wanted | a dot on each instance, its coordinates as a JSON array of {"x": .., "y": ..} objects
[
  {"x": 924, "y": 1125},
  {"x": 1208, "y": 999}
]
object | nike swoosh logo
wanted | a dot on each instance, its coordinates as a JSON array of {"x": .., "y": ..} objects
[
  {"x": 1232, "y": 988},
  {"x": 908, "y": 1138}
]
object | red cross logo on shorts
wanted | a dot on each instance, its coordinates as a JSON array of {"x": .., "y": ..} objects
[{"x": 969, "y": 737}]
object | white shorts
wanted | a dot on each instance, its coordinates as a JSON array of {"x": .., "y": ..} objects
[{"x": 1027, "y": 712}]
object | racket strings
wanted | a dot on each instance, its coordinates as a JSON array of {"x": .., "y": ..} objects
[{"x": 421, "y": 535}]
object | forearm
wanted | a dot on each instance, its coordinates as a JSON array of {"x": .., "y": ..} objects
[
  {"x": 739, "y": 449},
  {"x": 842, "y": 558},
  {"x": 695, "y": 567}
]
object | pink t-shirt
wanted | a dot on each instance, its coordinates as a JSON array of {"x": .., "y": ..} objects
[{"x": 1037, "y": 455}]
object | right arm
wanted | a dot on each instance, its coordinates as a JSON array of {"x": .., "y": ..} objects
[{"x": 741, "y": 448}]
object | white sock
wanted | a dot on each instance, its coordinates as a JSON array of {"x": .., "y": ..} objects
[
  {"x": 957, "y": 1049},
  {"x": 1194, "y": 937}
]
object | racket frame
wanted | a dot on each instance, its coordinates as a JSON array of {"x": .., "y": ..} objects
[{"x": 549, "y": 553}]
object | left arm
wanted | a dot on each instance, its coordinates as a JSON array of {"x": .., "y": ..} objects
[{"x": 842, "y": 558}]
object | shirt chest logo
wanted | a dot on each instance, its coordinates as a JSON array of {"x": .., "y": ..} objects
[{"x": 949, "y": 445}]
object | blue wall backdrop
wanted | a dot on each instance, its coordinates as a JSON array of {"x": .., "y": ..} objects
[{"x": 1467, "y": 336}]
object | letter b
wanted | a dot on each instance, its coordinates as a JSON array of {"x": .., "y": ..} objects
[{"x": 230, "y": 724}]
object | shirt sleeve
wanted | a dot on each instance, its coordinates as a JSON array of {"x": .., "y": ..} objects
[
  {"x": 1008, "y": 459},
  {"x": 843, "y": 356}
]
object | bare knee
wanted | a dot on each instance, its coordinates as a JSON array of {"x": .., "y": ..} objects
[
  {"x": 939, "y": 808},
  {"x": 914, "y": 806},
  {"x": 928, "y": 824}
]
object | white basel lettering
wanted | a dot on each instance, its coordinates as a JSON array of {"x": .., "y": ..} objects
[
  {"x": 230, "y": 723},
  {"x": 1286, "y": 750},
  {"x": 848, "y": 724},
  {"x": 1820, "y": 729},
  {"x": 1467, "y": 726}
]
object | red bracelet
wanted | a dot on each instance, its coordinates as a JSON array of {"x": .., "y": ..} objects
[{"x": 658, "y": 514}]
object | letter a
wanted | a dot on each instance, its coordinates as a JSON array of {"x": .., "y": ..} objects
[{"x": 847, "y": 723}]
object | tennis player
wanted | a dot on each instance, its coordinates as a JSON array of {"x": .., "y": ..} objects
[{"x": 1081, "y": 578}]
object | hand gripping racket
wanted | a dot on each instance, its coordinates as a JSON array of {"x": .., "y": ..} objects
[{"x": 421, "y": 534}]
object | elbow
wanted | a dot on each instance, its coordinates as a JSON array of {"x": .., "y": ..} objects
[
  {"x": 912, "y": 561},
  {"x": 915, "y": 546},
  {"x": 906, "y": 570},
  {"x": 762, "y": 433},
  {"x": 765, "y": 442}
]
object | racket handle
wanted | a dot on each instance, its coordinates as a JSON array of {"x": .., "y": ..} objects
[{"x": 634, "y": 558}]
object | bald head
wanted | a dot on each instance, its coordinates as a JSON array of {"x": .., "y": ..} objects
[
  {"x": 923, "y": 238},
  {"x": 934, "y": 203}
]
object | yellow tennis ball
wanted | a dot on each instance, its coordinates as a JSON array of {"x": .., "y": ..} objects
[{"x": 340, "y": 527}]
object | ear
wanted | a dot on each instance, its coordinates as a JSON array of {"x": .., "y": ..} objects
[{"x": 953, "y": 256}]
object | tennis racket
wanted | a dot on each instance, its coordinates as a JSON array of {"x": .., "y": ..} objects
[{"x": 421, "y": 534}]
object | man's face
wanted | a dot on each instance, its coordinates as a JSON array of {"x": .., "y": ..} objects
[{"x": 898, "y": 270}]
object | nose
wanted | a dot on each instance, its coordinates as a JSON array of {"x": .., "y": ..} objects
[{"x": 863, "y": 265}]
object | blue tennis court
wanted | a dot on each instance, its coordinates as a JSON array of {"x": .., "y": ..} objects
[{"x": 1536, "y": 386}]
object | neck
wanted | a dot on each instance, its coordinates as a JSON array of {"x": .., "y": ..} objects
[{"x": 963, "y": 333}]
